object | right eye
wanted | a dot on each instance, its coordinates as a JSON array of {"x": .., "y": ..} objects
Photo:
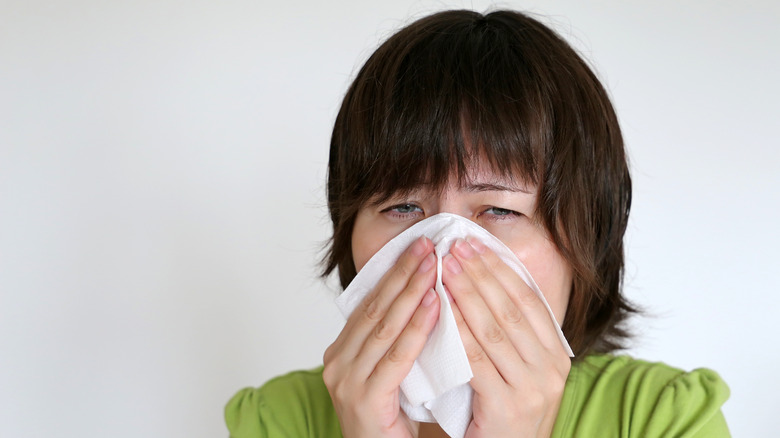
[
  {"x": 404, "y": 211},
  {"x": 406, "y": 208}
]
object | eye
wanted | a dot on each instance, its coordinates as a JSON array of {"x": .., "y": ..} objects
[
  {"x": 498, "y": 214},
  {"x": 498, "y": 211},
  {"x": 404, "y": 211},
  {"x": 405, "y": 208}
]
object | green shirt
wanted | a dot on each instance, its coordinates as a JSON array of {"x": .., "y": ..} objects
[{"x": 605, "y": 396}]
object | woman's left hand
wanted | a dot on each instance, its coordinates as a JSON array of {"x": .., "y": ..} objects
[{"x": 519, "y": 365}]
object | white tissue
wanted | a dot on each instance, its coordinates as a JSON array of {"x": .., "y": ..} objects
[{"x": 437, "y": 389}]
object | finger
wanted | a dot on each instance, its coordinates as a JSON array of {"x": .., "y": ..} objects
[
  {"x": 523, "y": 297},
  {"x": 482, "y": 323},
  {"x": 486, "y": 376},
  {"x": 374, "y": 306},
  {"x": 398, "y": 317},
  {"x": 508, "y": 315},
  {"x": 397, "y": 361}
]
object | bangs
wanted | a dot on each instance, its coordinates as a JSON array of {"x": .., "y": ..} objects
[{"x": 461, "y": 96}]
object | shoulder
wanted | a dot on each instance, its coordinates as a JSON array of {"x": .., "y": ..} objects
[
  {"x": 633, "y": 397},
  {"x": 608, "y": 371},
  {"x": 295, "y": 404}
]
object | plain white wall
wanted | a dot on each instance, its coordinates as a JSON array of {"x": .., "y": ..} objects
[{"x": 162, "y": 167}]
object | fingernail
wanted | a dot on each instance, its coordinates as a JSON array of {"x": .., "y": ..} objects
[
  {"x": 476, "y": 244},
  {"x": 427, "y": 263},
  {"x": 430, "y": 297},
  {"x": 463, "y": 249},
  {"x": 418, "y": 247},
  {"x": 452, "y": 264}
]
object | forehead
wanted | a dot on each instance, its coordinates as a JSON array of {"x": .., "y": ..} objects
[
  {"x": 474, "y": 178},
  {"x": 480, "y": 176}
]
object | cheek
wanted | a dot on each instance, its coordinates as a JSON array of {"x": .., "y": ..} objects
[
  {"x": 369, "y": 235},
  {"x": 364, "y": 247},
  {"x": 551, "y": 272}
]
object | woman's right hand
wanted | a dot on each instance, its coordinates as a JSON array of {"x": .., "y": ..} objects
[{"x": 381, "y": 340}]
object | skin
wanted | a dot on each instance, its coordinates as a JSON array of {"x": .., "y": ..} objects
[{"x": 519, "y": 366}]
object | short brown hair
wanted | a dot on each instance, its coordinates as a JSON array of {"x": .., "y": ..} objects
[{"x": 458, "y": 87}]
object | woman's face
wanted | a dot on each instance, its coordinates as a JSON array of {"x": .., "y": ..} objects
[{"x": 503, "y": 208}]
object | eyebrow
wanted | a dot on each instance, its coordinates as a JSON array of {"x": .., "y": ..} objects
[{"x": 489, "y": 187}]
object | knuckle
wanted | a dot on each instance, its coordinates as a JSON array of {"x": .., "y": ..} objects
[
  {"x": 535, "y": 401},
  {"x": 416, "y": 324},
  {"x": 481, "y": 275},
  {"x": 341, "y": 392},
  {"x": 383, "y": 331},
  {"x": 475, "y": 353},
  {"x": 512, "y": 315},
  {"x": 372, "y": 310},
  {"x": 395, "y": 355},
  {"x": 403, "y": 268},
  {"x": 328, "y": 355},
  {"x": 493, "y": 334},
  {"x": 329, "y": 376},
  {"x": 466, "y": 291},
  {"x": 527, "y": 297}
]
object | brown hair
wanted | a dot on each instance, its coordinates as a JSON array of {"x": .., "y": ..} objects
[{"x": 458, "y": 87}]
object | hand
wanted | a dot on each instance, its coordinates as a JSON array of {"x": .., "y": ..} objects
[
  {"x": 520, "y": 367},
  {"x": 382, "y": 338}
]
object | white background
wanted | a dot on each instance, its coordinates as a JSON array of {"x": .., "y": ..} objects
[{"x": 162, "y": 170}]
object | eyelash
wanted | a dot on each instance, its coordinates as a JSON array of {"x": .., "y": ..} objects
[{"x": 507, "y": 213}]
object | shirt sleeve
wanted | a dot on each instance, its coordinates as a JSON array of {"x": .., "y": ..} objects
[
  {"x": 244, "y": 414},
  {"x": 293, "y": 405},
  {"x": 617, "y": 396},
  {"x": 689, "y": 405}
]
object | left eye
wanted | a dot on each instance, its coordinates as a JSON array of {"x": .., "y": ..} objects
[{"x": 498, "y": 211}]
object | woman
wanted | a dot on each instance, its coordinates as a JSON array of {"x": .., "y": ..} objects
[{"x": 496, "y": 119}]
